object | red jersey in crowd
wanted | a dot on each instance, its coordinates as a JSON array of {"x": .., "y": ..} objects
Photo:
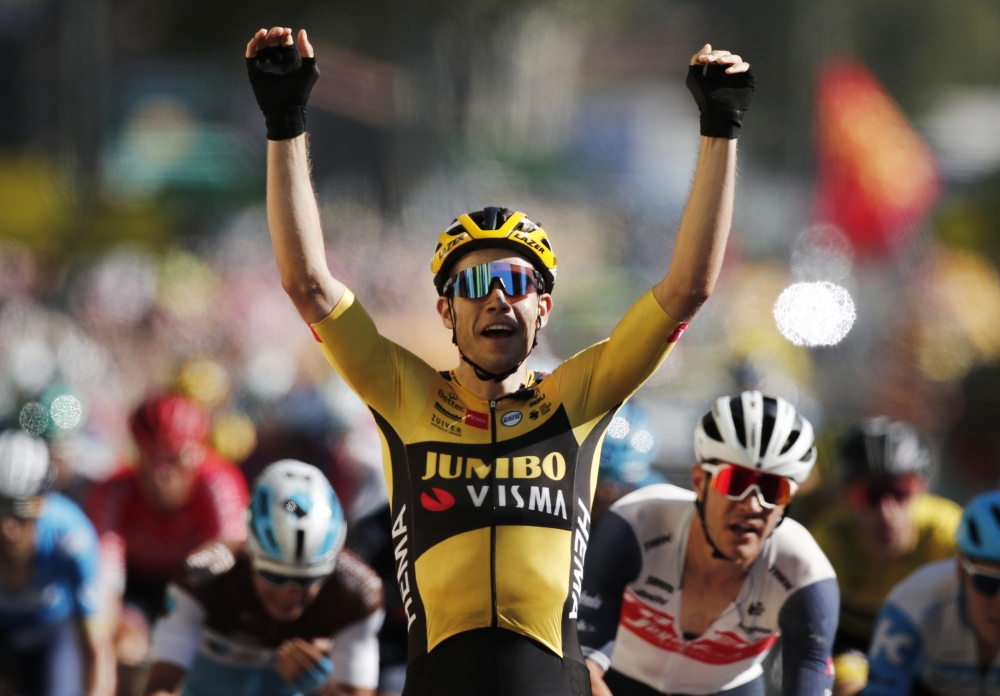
[{"x": 147, "y": 542}]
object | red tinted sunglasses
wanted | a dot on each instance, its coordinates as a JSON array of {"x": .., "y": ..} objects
[
  {"x": 736, "y": 482},
  {"x": 871, "y": 494}
]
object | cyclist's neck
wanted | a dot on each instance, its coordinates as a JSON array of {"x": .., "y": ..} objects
[{"x": 488, "y": 390}]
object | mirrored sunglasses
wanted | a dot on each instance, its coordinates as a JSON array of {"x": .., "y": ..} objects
[
  {"x": 280, "y": 582},
  {"x": 984, "y": 581},
  {"x": 737, "y": 482},
  {"x": 476, "y": 282}
]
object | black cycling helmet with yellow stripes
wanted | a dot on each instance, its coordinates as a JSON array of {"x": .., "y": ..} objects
[{"x": 493, "y": 227}]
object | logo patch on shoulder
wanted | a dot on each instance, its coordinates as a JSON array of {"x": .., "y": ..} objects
[
  {"x": 511, "y": 418},
  {"x": 477, "y": 419}
]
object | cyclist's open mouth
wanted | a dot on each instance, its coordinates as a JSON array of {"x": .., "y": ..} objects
[
  {"x": 498, "y": 331},
  {"x": 746, "y": 529}
]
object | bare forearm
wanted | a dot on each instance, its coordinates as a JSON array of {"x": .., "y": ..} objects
[
  {"x": 98, "y": 660},
  {"x": 293, "y": 217},
  {"x": 704, "y": 229}
]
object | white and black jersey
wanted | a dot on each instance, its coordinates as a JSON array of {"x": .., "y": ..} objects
[{"x": 629, "y": 619}]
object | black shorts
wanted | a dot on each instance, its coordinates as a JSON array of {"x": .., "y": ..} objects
[
  {"x": 495, "y": 662},
  {"x": 621, "y": 685},
  {"x": 145, "y": 595}
]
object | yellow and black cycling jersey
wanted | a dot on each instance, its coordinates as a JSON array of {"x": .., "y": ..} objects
[
  {"x": 864, "y": 582},
  {"x": 491, "y": 500}
]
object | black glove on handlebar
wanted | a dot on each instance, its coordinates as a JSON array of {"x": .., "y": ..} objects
[
  {"x": 281, "y": 81},
  {"x": 722, "y": 99}
]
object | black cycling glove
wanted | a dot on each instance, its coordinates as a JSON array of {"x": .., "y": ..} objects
[
  {"x": 722, "y": 99},
  {"x": 282, "y": 80}
]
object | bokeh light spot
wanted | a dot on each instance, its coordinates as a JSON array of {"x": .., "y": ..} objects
[
  {"x": 234, "y": 436},
  {"x": 814, "y": 314},
  {"x": 618, "y": 428},
  {"x": 642, "y": 441},
  {"x": 34, "y": 418},
  {"x": 204, "y": 380},
  {"x": 67, "y": 411}
]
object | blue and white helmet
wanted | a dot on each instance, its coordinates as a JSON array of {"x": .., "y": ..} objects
[
  {"x": 24, "y": 465},
  {"x": 295, "y": 525},
  {"x": 979, "y": 532}
]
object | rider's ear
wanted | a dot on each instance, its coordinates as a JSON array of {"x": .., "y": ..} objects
[
  {"x": 544, "y": 307},
  {"x": 698, "y": 480},
  {"x": 444, "y": 309}
]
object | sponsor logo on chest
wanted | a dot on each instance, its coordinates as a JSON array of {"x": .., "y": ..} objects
[{"x": 511, "y": 418}]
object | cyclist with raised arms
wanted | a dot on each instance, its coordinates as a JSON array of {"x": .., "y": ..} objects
[
  {"x": 938, "y": 633},
  {"x": 686, "y": 592},
  {"x": 52, "y": 641},
  {"x": 491, "y": 467},
  {"x": 285, "y": 613}
]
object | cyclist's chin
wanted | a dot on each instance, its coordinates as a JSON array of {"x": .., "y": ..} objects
[
  {"x": 497, "y": 356},
  {"x": 743, "y": 547},
  {"x": 283, "y": 610}
]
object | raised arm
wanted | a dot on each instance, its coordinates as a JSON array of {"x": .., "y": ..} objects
[
  {"x": 282, "y": 73},
  {"x": 722, "y": 86}
]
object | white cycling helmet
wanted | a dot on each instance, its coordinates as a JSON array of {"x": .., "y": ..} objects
[
  {"x": 24, "y": 465},
  {"x": 295, "y": 525},
  {"x": 758, "y": 432}
]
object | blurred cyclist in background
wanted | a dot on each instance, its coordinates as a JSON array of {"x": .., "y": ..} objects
[
  {"x": 180, "y": 494},
  {"x": 626, "y": 459},
  {"x": 887, "y": 527},
  {"x": 938, "y": 633},
  {"x": 284, "y": 613},
  {"x": 51, "y": 643},
  {"x": 686, "y": 592}
]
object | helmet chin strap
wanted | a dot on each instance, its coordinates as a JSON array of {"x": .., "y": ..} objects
[
  {"x": 482, "y": 374},
  {"x": 700, "y": 506}
]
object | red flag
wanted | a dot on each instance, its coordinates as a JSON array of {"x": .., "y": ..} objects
[{"x": 877, "y": 178}]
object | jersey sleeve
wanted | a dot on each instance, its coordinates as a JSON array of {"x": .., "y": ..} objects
[
  {"x": 614, "y": 559},
  {"x": 808, "y": 623},
  {"x": 355, "y": 652},
  {"x": 228, "y": 498},
  {"x": 388, "y": 378},
  {"x": 607, "y": 373},
  {"x": 894, "y": 653}
]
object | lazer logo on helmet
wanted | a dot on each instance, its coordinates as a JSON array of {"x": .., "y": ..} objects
[
  {"x": 552, "y": 466},
  {"x": 440, "y": 501}
]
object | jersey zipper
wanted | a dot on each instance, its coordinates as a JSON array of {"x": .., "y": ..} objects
[{"x": 493, "y": 523}]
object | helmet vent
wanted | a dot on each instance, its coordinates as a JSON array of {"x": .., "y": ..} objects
[
  {"x": 766, "y": 430},
  {"x": 792, "y": 438},
  {"x": 974, "y": 533},
  {"x": 711, "y": 429},
  {"x": 300, "y": 542},
  {"x": 996, "y": 513},
  {"x": 736, "y": 408},
  {"x": 547, "y": 245}
]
